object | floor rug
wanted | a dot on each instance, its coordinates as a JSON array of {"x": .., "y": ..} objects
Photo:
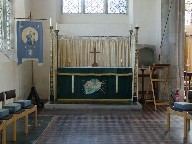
[{"x": 112, "y": 127}]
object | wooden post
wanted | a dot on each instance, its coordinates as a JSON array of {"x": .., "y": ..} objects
[
  {"x": 51, "y": 65},
  {"x": 135, "y": 94},
  {"x": 56, "y": 61}
]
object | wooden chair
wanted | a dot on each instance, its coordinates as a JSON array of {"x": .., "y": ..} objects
[
  {"x": 187, "y": 115},
  {"x": 173, "y": 111},
  {"x": 3, "y": 131},
  {"x": 10, "y": 119},
  {"x": 17, "y": 115},
  {"x": 5, "y": 121},
  {"x": 11, "y": 94}
]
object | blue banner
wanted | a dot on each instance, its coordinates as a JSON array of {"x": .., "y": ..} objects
[{"x": 29, "y": 41}]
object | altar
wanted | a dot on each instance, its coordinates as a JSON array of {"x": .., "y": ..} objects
[{"x": 94, "y": 83}]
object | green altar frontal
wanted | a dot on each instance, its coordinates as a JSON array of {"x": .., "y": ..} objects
[{"x": 94, "y": 83}]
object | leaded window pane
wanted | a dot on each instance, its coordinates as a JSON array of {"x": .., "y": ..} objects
[
  {"x": 94, "y": 6},
  {"x": 71, "y": 6},
  {"x": 8, "y": 24},
  {"x": 5, "y": 24},
  {"x": 117, "y": 6},
  {"x": 188, "y": 12},
  {"x": 1, "y": 24}
]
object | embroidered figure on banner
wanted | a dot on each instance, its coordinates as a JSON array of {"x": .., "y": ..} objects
[
  {"x": 93, "y": 86},
  {"x": 30, "y": 37}
]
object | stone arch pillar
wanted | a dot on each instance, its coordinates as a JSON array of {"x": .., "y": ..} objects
[{"x": 172, "y": 50}]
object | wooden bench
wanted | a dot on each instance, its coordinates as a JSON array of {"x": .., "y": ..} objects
[
  {"x": 11, "y": 94},
  {"x": 178, "y": 113},
  {"x": 5, "y": 121},
  {"x": 187, "y": 116}
]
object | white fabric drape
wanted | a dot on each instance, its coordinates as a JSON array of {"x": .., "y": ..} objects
[{"x": 75, "y": 51}]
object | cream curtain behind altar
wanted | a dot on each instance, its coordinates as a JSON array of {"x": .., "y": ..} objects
[
  {"x": 75, "y": 51},
  {"x": 188, "y": 54}
]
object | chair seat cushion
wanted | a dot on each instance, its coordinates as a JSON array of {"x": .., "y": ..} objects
[
  {"x": 24, "y": 103},
  {"x": 29, "y": 107},
  {"x": 19, "y": 111},
  {"x": 186, "y": 106},
  {"x": 9, "y": 116},
  {"x": 4, "y": 112},
  {"x": 13, "y": 107},
  {"x": 176, "y": 109}
]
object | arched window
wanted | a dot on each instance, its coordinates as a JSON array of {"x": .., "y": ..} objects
[
  {"x": 95, "y": 6},
  {"x": 5, "y": 24}
]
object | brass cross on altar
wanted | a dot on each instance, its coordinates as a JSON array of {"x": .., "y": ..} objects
[{"x": 95, "y": 64}]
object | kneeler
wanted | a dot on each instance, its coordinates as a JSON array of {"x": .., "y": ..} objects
[
  {"x": 25, "y": 104},
  {"x": 16, "y": 115},
  {"x": 5, "y": 120},
  {"x": 183, "y": 109}
]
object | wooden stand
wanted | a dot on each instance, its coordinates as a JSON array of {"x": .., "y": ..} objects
[
  {"x": 163, "y": 70},
  {"x": 142, "y": 82}
]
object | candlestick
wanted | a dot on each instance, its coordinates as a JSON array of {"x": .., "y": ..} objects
[
  {"x": 50, "y": 22},
  {"x": 130, "y": 27},
  {"x": 56, "y": 27}
]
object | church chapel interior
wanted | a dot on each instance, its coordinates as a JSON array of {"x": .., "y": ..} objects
[{"x": 95, "y": 71}]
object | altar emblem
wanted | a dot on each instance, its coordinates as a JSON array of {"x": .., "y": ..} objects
[
  {"x": 92, "y": 86},
  {"x": 29, "y": 40}
]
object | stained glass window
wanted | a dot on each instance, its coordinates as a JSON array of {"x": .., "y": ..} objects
[
  {"x": 5, "y": 24},
  {"x": 71, "y": 6},
  {"x": 117, "y": 6},
  {"x": 188, "y": 12},
  {"x": 95, "y": 6}
]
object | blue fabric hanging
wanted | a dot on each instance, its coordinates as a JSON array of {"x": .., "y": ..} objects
[{"x": 29, "y": 41}]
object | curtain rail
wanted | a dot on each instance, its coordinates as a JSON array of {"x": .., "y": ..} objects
[{"x": 77, "y": 37}]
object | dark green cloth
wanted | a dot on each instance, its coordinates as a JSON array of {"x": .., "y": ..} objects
[{"x": 107, "y": 89}]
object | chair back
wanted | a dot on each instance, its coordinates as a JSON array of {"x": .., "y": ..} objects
[
  {"x": 190, "y": 96},
  {"x": 10, "y": 96},
  {"x": 2, "y": 97}
]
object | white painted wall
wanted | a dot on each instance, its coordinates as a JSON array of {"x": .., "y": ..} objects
[
  {"x": 44, "y": 9},
  {"x": 13, "y": 76},
  {"x": 188, "y": 29},
  {"x": 8, "y": 75},
  {"x": 143, "y": 13}
]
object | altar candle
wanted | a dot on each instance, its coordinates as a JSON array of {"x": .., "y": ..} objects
[
  {"x": 56, "y": 28},
  {"x": 50, "y": 22},
  {"x": 130, "y": 27}
]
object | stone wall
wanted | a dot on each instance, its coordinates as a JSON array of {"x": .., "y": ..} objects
[{"x": 172, "y": 48}]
